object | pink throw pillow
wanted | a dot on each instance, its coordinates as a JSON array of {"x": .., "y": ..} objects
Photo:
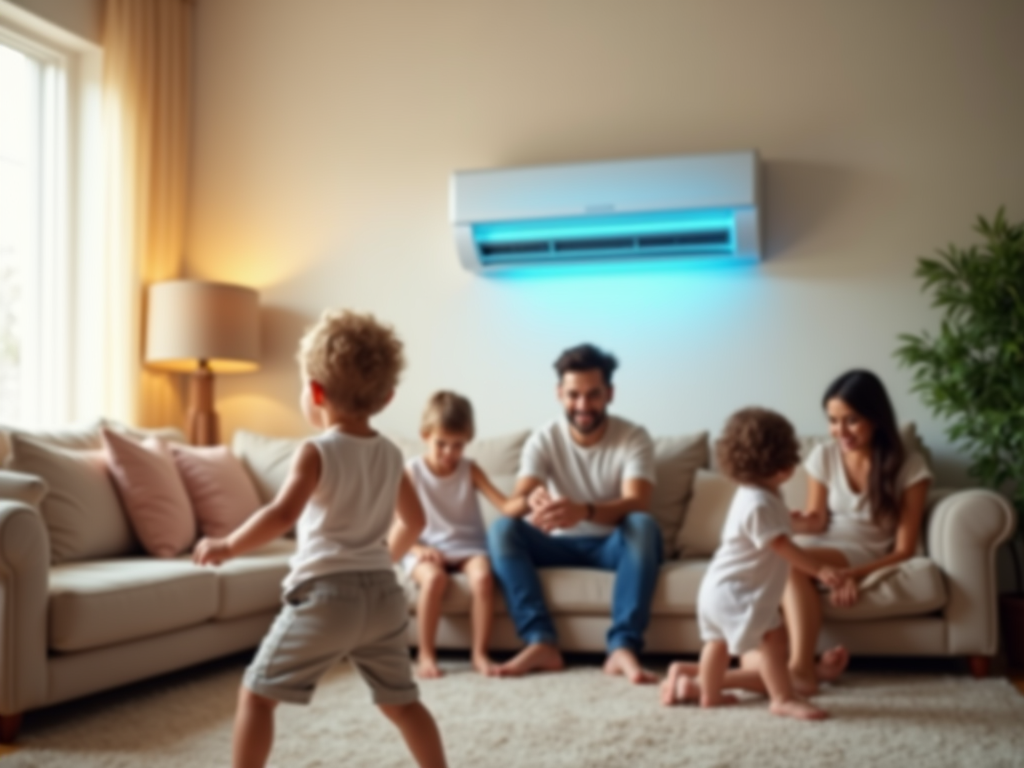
[
  {"x": 152, "y": 493},
  {"x": 222, "y": 493}
]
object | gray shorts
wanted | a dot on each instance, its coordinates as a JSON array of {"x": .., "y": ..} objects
[{"x": 360, "y": 615}]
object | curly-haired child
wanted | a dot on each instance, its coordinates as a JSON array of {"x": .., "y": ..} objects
[
  {"x": 341, "y": 598},
  {"x": 738, "y": 601}
]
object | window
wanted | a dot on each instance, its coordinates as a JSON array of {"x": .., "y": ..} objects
[{"x": 49, "y": 221}]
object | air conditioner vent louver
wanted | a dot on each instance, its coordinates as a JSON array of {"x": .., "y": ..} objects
[
  {"x": 669, "y": 244},
  {"x": 684, "y": 206}
]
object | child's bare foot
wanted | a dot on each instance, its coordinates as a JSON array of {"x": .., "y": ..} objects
[
  {"x": 427, "y": 669},
  {"x": 721, "y": 700},
  {"x": 623, "y": 661},
  {"x": 482, "y": 663},
  {"x": 798, "y": 709},
  {"x": 678, "y": 687},
  {"x": 536, "y": 657},
  {"x": 832, "y": 664}
]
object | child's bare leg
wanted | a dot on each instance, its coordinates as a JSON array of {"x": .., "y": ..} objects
[
  {"x": 254, "y": 730},
  {"x": 679, "y": 687},
  {"x": 433, "y": 581},
  {"x": 419, "y": 731},
  {"x": 481, "y": 585},
  {"x": 714, "y": 661},
  {"x": 784, "y": 699}
]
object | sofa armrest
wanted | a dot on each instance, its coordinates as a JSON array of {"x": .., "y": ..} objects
[
  {"x": 24, "y": 576},
  {"x": 964, "y": 530},
  {"x": 18, "y": 486}
]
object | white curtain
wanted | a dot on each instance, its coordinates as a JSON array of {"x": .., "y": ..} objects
[{"x": 146, "y": 101}]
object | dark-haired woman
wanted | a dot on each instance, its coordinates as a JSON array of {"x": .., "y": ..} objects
[{"x": 866, "y": 499}]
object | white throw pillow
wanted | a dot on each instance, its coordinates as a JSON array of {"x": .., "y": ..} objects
[
  {"x": 267, "y": 459},
  {"x": 81, "y": 509},
  {"x": 701, "y": 532},
  {"x": 77, "y": 438},
  {"x": 676, "y": 462}
]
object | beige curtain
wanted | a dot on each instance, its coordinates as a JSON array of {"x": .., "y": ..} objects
[{"x": 146, "y": 100}]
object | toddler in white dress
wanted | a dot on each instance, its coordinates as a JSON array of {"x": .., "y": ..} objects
[{"x": 738, "y": 602}]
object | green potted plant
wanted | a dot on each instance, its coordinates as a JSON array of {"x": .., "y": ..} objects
[{"x": 971, "y": 372}]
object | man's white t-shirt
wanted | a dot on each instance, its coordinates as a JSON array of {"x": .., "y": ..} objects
[
  {"x": 345, "y": 523},
  {"x": 588, "y": 474}
]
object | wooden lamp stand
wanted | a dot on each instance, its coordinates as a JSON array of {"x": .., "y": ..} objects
[{"x": 202, "y": 419}]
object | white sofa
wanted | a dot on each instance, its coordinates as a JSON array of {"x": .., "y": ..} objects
[{"x": 99, "y": 619}]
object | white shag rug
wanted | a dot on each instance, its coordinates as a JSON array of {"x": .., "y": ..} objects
[{"x": 579, "y": 717}]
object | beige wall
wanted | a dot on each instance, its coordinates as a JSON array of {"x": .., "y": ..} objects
[
  {"x": 325, "y": 133},
  {"x": 83, "y": 17}
]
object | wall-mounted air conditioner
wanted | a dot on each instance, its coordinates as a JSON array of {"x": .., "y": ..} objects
[{"x": 668, "y": 207}]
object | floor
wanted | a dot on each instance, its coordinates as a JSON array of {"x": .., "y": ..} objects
[{"x": 869, "y": 664}]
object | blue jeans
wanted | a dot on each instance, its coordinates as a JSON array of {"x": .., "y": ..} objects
[{"x": 633, "y": 551}]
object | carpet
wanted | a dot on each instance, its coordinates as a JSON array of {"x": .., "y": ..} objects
[{"x": 579, "y": 717}]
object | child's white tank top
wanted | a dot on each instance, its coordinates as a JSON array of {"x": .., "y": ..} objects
[
  {"x": 454, "y": 523},
  {"x": 345, "y": 523}
]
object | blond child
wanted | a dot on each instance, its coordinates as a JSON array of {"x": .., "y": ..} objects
[
  {"x": 454, "y": 538},
  {"x": 340, "y": 596},
  {"x": 738, "y": 601}
]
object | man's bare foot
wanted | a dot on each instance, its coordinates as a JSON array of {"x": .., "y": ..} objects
[
  {"x": 536, "y": 657},
  {"x": 427, "y": 669},
  {"x": 832, "y": 664},
  {"x": 798, "y": 709},
  {"x": 623, "y": 661},
  {"x": 678, "y": 687},
  {"x": 482, "y": 663}
]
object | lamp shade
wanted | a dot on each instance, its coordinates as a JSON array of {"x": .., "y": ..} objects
[{"x": 189, "y": 321}]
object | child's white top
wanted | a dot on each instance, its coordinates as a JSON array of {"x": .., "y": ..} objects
[
  {"x": 345, "y": 523},
  {"x": 851, "y": 529},
  {"x": 454, "y": 523},
  {"x": 742, "y": 588}
]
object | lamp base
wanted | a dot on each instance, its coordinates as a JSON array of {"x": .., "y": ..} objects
[{"x": 203, "y": 427}]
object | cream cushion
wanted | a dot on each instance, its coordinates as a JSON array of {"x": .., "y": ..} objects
[
  {"x": 701, "y": 532},
  {"x": 676, "y": 462},
  {"x": 220, "y": 490},
  {"x": 251, "y": 583},
  {"x": 81, "y": 510},
  {"x": 81, "y": 438},
  {"x": 153, "y": 494},
  {"x": 267, "y": 460},
  {"x": 96, "y": 603}
]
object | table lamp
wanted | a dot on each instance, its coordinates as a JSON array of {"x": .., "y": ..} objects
[{"x": 202, "y": 328}]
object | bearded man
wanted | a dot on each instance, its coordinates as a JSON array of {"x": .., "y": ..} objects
[{"x": 589, "y": 478}]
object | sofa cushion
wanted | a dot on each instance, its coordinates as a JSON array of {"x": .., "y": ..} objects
[
  {"x": 701, "y": 532},
  {"x": 153, "y": 494},
  {"x": 251, "y": 583},
  {"x": 676, "y": 461},
  {"x": 266, "y": 459},
  {"x": 103, "y": 602},
  {"x": 81, "y": 438},
  {"x": 81, "y": 510},
  {"x": 498, "y": 456},
  {"x": 221, "y": 492}
]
